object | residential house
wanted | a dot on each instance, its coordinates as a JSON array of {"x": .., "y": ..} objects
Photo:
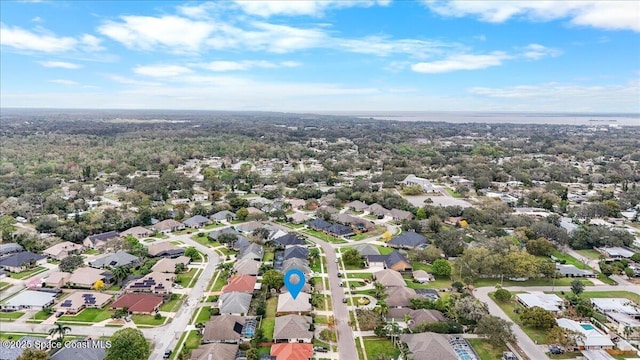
[
  {"x": 241, "y": 283},
  {"x": 218, "y": 351},
  {"x": 353, "y": 221},
  {"x": 111, "y": 260},
  {"x": 246, "y": 267},
  {"x": 288, "y": 240},
  {"x": 298, "y": 218},
  {"x": 590, "y": 337},
  {"x": 429, "y": 346},
  {"x": 296, "y": 263},
  {"x": 291, "y": 351},
  {"x": 250, "y": 227},
  {"x": 367, "y": 249},
  {"x": 572, "y": 271},
  {"x": 57, "y": 279},
  {"x": 296, "y": 203},
  {"x": 389, "y": 278},
  {"x": 228, "y": 230},
  {"x": 338, "y": 230},
  {"x": 616, "y": 252},
  {"x": 86, "y": 277},
  {"x": 21, "y": 261},
  {"x": 62, "y": 250},
  {"x": 296, "y": 251},
  {"x": 400, "y": 215},
  {"x": 621, "y": 312},
  {"x": 224, "y": 329},
  {"x": 234, "y": 303},
  {"x": 164, "y": 249},
  {"x": 155, "y": 282},
  {"x": 253, "y": 251},
  {"x": 293, "y": 328},
  {"x": 10, "y": 248},
  {"x": 99, "y": 241},
  {"x": 80, "y": 350},
  {"x": 168, "y": 265},
  {"x": 378, "y": 210},
  {"x": 138, "y": 303},
  {"x": 318, "y": 225},
  {"x": 427, "y": 186},
  {"x": 137, "y": 232},
  {"x": 29, "y": 299},
  {"x": 8, "y": 350},
  {"x": 356, "y": 206},
  {"x": 288, "y": 305},
  {"x": 424, "y": 316},
  {"x": 394, "y": 261},
  {"x": 200, "y": 197},
  {"x": 549, "y": 302},
  {"x": 400, "y": 296},
  {"x": 78, "y": 301},
  {"x": 254, "y": 211},
  {"x": 422, "y": 276},
  {"x": 241, "y": 243},
  {"x": 167, "y": 226},
  {"x": 407, "y": 240},
  {"x": 196, "y": 222},
  {"x": 224, "y": 215}
]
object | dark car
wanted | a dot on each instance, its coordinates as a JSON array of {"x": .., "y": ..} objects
[
  {"x": 320, "y": 349},
  {"x": 59, "y": 313},
  {"x": 344, "y": 300},
  {"x": 555, "y": 350},
  {"x": 339, "y": 275},
  {"x": 167, "y": 354}
]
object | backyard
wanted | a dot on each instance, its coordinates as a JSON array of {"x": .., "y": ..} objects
[
  {"x": 27, "y": 273},
  {"x": 269, "y": 320},
  {"x": 91, "y": 315},
  {"x": 537, "y": 335},
  {"x": 485, "y": 350}
]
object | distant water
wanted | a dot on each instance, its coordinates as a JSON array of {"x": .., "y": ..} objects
[{"x": 502, "y": 117}]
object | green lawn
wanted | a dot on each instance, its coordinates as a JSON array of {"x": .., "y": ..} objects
[
  {"x": 193, "y": 340},
  {"x": 91, "y": 252},
  {"x": 571, "y": 260},
  {"x": 453, "y": 193},
  {"x": 268, "y": 256},
  {"x": 90, "y": 315},
  {"x": 439, "y": 283},
  {"x": 4, "y": 285},
  {"x": 379, "y": 346},
  {"x": 184, "y": 279},
  {"x": 213, "y": 225},
  {"x": 27, "y": 273},
  {"x": 589, "y": 253},
  {"x": 385, "y": 250},
  {"x": 609, "y": 294},
  {"x": 41, "y": 315},
  {"x": 322, "y": 236},
  {"x": 531, "y": 282},
  {"x": 10, "y": 315},
  {"x": 269, "y": 320},
  {"x": 366, "y": 276},
  {"x": 176, "y": 242},
  {"x": 204, "y": 315},
  {"x": 221, "y": 281},
  {"x": 172, "y": 305},
  {"x": 147, "y": 320},
  {"x": 536, "y": 335},
  {"x": 203, "y": 240},
  {"x": 485, "y": 350}
]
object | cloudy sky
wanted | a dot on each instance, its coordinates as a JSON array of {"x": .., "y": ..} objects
[{"x": 571, "y": 56}]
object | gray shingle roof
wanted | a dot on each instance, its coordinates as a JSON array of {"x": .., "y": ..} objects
[
  {"x": 292, "y": 327},
  {"x": 114, "y": 259},
  {"x": 408, "y": 239},
  {"x": 20, "y": 258}
]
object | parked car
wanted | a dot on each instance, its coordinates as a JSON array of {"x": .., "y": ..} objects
[
  {"x": 339, "y": 274},
  {"x": 320, "y": 349},
  {"x": 555, "y": 350},
  {"x": 344, "y": 300},
  {"x": 59, "y": 313},
  {"x": 167, "y": 354}
]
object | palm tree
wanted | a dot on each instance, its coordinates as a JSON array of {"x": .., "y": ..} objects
[
  {"x": 120, "y": 273},
  {"x": 61, "y": 330},
  {"x": 382, "y": 309},
  {"x": 379, "y": 291}
]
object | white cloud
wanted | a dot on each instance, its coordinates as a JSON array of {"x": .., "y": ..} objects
[
  {"x": 161, "y": 70},
  {"x": 59, "y": 64},
  {"x": 610, "y": 15},
  {"x": 537, "y": 51},
  {"x": 297, "y": 8},
  {"x": 63, "y": 82},
  {"x": 461, "y": 62},
  {"x": 21, "y": 39},
  {"x": 245, "y": 65},
  {"x": 129, "y": 81},
  {"x": 146, "y": 32}
]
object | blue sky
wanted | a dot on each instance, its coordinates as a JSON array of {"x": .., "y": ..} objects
[{"x": 569, "y": 56}]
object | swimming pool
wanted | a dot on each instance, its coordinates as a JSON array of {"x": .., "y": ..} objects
[{"x": 587, "y": 326}]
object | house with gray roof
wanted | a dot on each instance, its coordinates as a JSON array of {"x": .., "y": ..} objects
[
  {"x": 8, "y": 352},
  {"x": 224, "y": 215},
  {"x": 29, "y": 299},
  {"x": 356, "y": 205},
  {"x": 293, "y": 328},
  {"x": 300, "y": 252},
  {"x": 228, "y": 230},
  {"x": 426, "y": 185},
  {"x": 407, "y": 240},
  {"x": 287, "y": 240},
  {"x": 400, "y": 296},
  {"x": 80, "y": 350},
  {"x": 572, "y": 271},
  {"x": 10, "y": 248},
  {"x": 296, "y": 263},
  {"x": 111, "y": 260},
  {"x": 217, "y": 351},
  {"x": 429, "y": 346},
  {"x": 367, "y": 249},
  {"x": 241, "y": 243},
  {"x": 234, "y": 303},
  {"x": 196, "y": 221},
  {"x": 21, "y": 261},
  {"x": 248, "y": 228},
  {"x": 400, "y": 215},
  {"x": 223, "y": 329},
  {"x": 422, "y": 316},
  {"x": 288, "y": 305},
  {"x": 377, "y": 210},
  {"x": 246, "y": 267},
  {"x": 252, "y": 251}
]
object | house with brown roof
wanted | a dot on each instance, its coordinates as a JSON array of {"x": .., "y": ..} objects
[
  {"x": 215, "y": 351},
  {"x": 138, "y": 303},
  {"x": 246, "y": 267},
  {"x": 164, "y": 249},
  {"x": 57, "y": 279},
  {"x": 429, "y": 346},
  {"x": 85, "y": 277},
  {"x": 99, "y": 241},
  {"x": 80, "y": 300},
  {"x": 356, "y": 205},
  {"x": 62, "y": 250},
  {"x": 400, "y": 296},
  {"x": 377, "y": 210},
  {"x": 293, "y": 328},
  {"x": 224, "y": 329},
  {"x": 156, "y": 283},
  {"x": 424, "y": 316},
  {"x": 168, "y": 226},
  {"x": 137, "y": 232},
  {"x": 400, "y": 215},
  {"x": 389, "y": 278},
  {"x": 292, "y": 351},
  {"x": 168, "y": 265},
  {"x": 240, "y": 283}
]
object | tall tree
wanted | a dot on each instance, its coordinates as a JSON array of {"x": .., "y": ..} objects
[
  {"x": 497, "y": 331},
  {"x": 128, "y": 344},
  {"x": 61, "y": 330},
  {"x": 120, "y": 273}
]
